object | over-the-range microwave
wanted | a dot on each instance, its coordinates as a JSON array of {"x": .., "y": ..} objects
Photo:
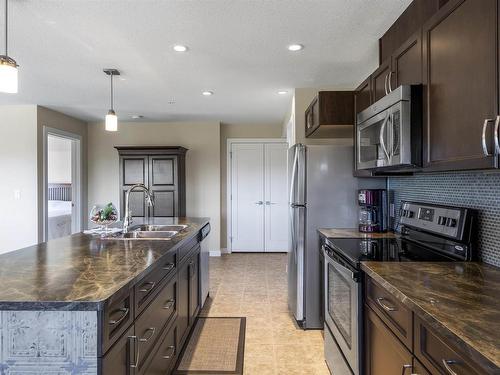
[{"x": 389, "y": 132}]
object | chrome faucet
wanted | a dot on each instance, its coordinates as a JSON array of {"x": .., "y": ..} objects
[{"x": 127, "y": 217}]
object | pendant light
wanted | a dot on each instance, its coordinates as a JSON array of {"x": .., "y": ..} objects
[
  {"x": 8, "y": 66},
  {"x": 111, "y": 118}
]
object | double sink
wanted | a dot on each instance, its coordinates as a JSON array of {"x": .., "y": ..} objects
[{"x": 148, "y": 232}]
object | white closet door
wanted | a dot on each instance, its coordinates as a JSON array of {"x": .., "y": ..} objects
[
  {"x": 276, "y": 202},
  {"x": 247, "y": 197}
]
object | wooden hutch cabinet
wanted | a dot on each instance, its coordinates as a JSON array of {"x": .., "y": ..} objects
[{"x": 163, "y": 170}]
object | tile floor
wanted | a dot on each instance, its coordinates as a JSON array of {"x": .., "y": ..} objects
[{"x": 255, "y": 286}]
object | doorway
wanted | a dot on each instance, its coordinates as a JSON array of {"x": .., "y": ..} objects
[
  {"x": 257, "y": 195},
  {"x": 62, "y": 184}
]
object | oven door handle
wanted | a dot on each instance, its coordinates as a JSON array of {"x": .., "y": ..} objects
[{"x": 341, "y": 268}]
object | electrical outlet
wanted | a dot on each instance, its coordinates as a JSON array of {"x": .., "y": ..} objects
[{"x": 392, "y": 210}]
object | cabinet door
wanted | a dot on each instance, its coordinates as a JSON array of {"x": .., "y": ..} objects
[
  {"x": 194, "y": 288},
  {"x": 165, "y": 355},
  {"x": 134, "y": 170},
  {"x": 385, "y": 354},
  {"x": 312, "y": 117},
  {"x": 119, "y": 359},
  {"x": 407, "y": 63},
  {"x": 163, "y": 183},
  {"x": 460, "y": 70},
  {"x": 379, "y": 80},
  {"x": 363, "y": 96},
  {"x": 183, "y": 302},
  {"x": 418, "y": 368}
]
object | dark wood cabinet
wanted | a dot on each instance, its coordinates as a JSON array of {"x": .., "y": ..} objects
[
  {"x": 330, "y": 115},
  {"x": 164, "y": 358},
  {"x": 380, "y": 79},
  {"x": 385, "y": 354},
  {"x": 120, "y": 358},
  {"x": 363, "y": 96},
  {"x": 162, "y": 170},
  {"x": 194, "y": 290},
  {"x": 460, "y": 55},
  {"x": 406, "y": 62},
  {"x": 183, "y": 302}
]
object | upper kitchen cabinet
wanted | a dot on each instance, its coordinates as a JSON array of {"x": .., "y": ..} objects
[
  {"x": 379, "y": 80},
  {"x": 162, "y": 170},
  {"x": 406, "y": 63},
  {"x": 460, "y": 57},
  {"x": 363, "y": 95},
  {"x": 330, "y": 115}
]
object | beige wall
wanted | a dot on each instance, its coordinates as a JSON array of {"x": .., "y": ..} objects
[
  {"x": 53, "y": 119},
  {"x": 202, "y": 163},
  {"x": 238, "y": 131},
  {"x": 18, "y": 168}
]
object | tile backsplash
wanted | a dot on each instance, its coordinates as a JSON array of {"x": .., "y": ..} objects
[{"x": 479, "y": 190}]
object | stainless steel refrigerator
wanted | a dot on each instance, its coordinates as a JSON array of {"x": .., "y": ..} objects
[{"x": 322, "y": 195}]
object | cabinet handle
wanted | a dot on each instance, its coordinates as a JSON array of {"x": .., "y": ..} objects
[
  {"x": 147, "y": 290},
  {"x": 483, "y": 137},
  {"x": 259, "y": 203},
  {"x": 389, "y": 81},
  {"x": 137, "y": 351},
  {"x": 385, "y": 84},
  {"x": 385, "y": 306},
  {"x": 124, "y": 314},
  {"x": 404, "y": 368},
  {"x": 269, "y": 203},
  {"x": 170, "y": 303},
  {"x": 447, "y": 363},
  {"x": 497, "y": 145},
  {"x": 146, "y": 339},
  {"x": 172, "y": 349},
  {"x": 168, "y": 266}
]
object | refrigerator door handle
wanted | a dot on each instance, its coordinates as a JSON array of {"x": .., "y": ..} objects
[{"x": 292, "y": 179}]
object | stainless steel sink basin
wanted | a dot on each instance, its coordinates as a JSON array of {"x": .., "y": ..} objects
[
  {"x": 150, "y": 234},
  {"x": 156, "y": 228}
]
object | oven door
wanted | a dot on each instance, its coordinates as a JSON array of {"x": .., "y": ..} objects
[{"x": 342, "y": 313}]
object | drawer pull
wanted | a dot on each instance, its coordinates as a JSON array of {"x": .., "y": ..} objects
[
  {"x": 146, "y": 339},
  {"x": 168, "y": 267},
  {"x": 137, "y": 352},
  {"x": 404, "y": 368},
  {"x": 447, "y": 363},
  {"x": 124, "y": 314},
  {"x": 170, "y": 303},
  {"x": 147, "y": 290},
  {"x": 385, "y": 306},
  {"x": 171, "y": 354}
]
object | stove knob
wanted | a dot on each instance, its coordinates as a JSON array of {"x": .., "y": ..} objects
[{"x": 411, "y": 214}]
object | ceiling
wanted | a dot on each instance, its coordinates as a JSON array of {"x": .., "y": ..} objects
[{"x": 237, "y": 48}]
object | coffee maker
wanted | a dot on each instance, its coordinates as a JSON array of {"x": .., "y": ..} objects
[{"x": 372, "y": 210}]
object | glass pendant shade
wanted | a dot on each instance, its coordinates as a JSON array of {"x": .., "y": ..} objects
[
  {"x": 111, "y": 121},
  {"x": 8, "y": 75}
]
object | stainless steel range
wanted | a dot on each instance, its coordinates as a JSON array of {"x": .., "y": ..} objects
[{"x": 429, "y": 232}]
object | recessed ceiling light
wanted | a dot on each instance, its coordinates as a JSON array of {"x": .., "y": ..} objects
[
  {"x": 207, "y": 93},
  {"x": 282, "y": 92},
  {"x": 295, "y": 47},
  {"x": 180, "y": 48},
  {"x": 137, "y": 117}
]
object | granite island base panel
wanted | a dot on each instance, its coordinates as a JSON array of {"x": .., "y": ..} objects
[{"x": 85, "y": 305}]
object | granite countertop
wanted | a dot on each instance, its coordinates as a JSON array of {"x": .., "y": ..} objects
[
  {"x": 461, "y": 301},
  {"x": 80, "y": 272},
  {"x": 352, "y": 233}
]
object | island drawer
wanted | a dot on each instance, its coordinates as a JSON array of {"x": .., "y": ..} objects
[
  {"x": 150, "y": 324},
  {"x": 117, "y": 316},
  {"x": 438, "y": 356},
  {"x": 164, "y": 356},
  {"x": 397, "y": 316},
  {"x": 186, "y": 249},
  {"x": 146, "y": 289}
]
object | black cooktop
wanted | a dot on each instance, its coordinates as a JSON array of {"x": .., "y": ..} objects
[{"x": 355, "y": 250}]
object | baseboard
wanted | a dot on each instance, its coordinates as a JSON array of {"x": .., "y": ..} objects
[{"x": 215, "y": 253}]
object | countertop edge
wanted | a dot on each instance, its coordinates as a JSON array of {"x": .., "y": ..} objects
[
  {"x": 487, "y": 364},
  {"x": 97, "y": 305}
]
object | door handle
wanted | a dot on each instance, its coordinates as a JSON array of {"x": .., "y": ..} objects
[
  {"x": 172, "y": 352},
  {"x": 497, "y": 145},
  {"x": 137, "y": 352},
  {"x": 447, "y": 363},
  {"x": 483, "y": 137},
  {"x": 404, "y": 368},
  {"x": 385, "y": 306},
  {"x": 259, "y": 203},
  {"x": 385, "y": 84}
]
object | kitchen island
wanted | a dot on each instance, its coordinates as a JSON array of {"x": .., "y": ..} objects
[{"x": 89, "y": 305}]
